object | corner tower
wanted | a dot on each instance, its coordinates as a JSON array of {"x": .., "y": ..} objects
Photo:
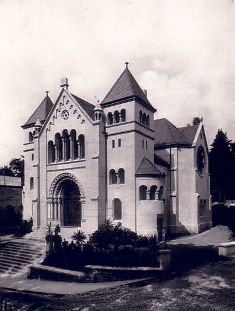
[{"x": 130, "y": 139}]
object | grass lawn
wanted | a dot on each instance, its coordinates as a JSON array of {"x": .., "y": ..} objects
[{"x": 210, "y": 287}]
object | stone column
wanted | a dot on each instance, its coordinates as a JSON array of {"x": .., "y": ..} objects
[
  {"x": 56, "y": 153},
  {"x": 71, "y": 141},
  {"x": 63, "y": 148},
  {"x": 79, "y": 149},
  {"x": 148, "y": 194}
]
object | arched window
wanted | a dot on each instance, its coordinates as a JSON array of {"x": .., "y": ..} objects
[
  {"x": 117, "y": 209},
  {"x": 73, "y": 145},
  {"x": 142, "y": 193},
  {"x": 153, "y": 193},
  {"x": 123, "y": 115},
  {"x": 116, "y": 117},
  {"x": 121, "y": 176},
  {"x": 141, "y": 116},
  {"x": 110, "y": 118},
  {"x": 112, "y": 177},
  {"x": 31, "y": 183},
  {"x": 147, "y": 120},
  {"x": 51, "y": 152},
  {"x": 66, "y": 145},
  {"x": 144, "y": 119},
  {"x": 58, "y": 147},
  {"x": 30, "y": 137},
  {"x": 160, "y": 193},
  {"x": 81, "y": 143}
]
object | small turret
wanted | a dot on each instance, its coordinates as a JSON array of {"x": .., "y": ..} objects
[
  {"x": 37, "y": 127},
  {"x": 98, "y": 111}
]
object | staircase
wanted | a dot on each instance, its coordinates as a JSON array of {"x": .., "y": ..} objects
[
  {"x": 16, "y": 255},
  {"x": 37, "y": 235}
]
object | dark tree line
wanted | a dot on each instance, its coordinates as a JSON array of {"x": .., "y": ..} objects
[{"x": 222, "y": 168}]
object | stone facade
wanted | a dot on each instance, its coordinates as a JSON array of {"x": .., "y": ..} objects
[{"x": 88, "y": 163}]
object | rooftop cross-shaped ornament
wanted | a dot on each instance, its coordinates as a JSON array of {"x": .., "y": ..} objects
[
  {"x": 47, "y": 92},
  {"x": 126, "y": 63}
]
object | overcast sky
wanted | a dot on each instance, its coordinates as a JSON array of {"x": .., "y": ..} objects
[{"x": 182, "y": 52}]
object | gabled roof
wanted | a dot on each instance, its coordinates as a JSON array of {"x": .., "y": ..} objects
[
  {"x": 126, "y": 87},
  {"x": 148, "y": 168},
  {"x": 167, "y": 134},
  {"x": 189, "y": 132},
  {"x": 40, "y": 113},
  {"x": 162, "y": 159},
  {"x": 89, "y": 108}
]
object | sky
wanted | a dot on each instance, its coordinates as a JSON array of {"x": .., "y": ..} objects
[{"x": 181, "y": 51}]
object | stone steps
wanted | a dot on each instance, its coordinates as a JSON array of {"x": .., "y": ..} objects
[{"x": 16, "y": 255}]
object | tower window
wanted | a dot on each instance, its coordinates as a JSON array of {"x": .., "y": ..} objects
[
  {"x": 117, "y": 209},
  {"x": 32, "y": 156},
  {"x": 112, "y": 177},
  {"x": 31, "y": 183},
  {"x": 113, "y": 143},
  {"x": 142, "y": 193},
  {"x": 119, "y": 142},
  {"x": 121, "y": 176}
]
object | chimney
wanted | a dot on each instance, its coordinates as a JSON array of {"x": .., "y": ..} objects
[{"x": 64, "y": 83}]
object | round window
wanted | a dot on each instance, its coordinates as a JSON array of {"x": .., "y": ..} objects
[{"x": 65, "y": 114}]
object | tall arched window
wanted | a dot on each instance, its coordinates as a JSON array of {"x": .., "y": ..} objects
[
  {"x": 110, "y": 118},
  {"x": 141, "y": 116},
  {"x": 30, "y": 137},
  {"x": 66, "y": 145},
  {"x": 117, "y": 209},
  {"x": 123, "y": 115},
  {"x": 73, "y": 145},
  {"x": 112, "y": 177},
  {"x": 81, "y": 142},
  {"x": 51, "y": 152},
  {"x": 142, "y": 192},
  {"x": 31, "y": 183},
  {"x": 160, "y": 193},
  {"x": 153, "y": 193},
  {"x": 58, "y": 147},
  {"x": 116, "y": 117},
  {"x": 121, "y": 176}
]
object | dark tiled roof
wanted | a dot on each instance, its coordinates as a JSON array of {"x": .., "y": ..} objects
[
  {"x": 189, "y": 132},
  {"x": 40, "y": 113},
  {"x": 162, "y": 159},
  {"x": 89, "y": 108},
  {"x": 148, "y": 168},
  {"x": 126, "y": 87},
  {"x": 167, "y": 134}
]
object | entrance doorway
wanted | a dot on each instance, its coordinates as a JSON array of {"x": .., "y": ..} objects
[{"x": 71, "y": 205}]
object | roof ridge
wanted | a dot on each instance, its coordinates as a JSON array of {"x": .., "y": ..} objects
[{"x": 178, "y": 132}]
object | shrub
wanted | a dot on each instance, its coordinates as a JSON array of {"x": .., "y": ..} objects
[{"x": 79, "y": 237}]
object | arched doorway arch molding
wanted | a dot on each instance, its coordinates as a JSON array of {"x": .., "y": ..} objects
[{"x": 66, "y": 199}]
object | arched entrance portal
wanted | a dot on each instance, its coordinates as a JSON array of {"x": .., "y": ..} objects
[
  {"x": 71, "y": 205},
  {"x": 65, "y": 201}
]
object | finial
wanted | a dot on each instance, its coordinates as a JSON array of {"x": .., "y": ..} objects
[
  {"x": 126, "y": 63},
  {"x": 64, "y": 83},
  {"x": 47, "y": 93}
]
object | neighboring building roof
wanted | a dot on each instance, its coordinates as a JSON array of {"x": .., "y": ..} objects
[
  {"x": 166, "y": 134},
  {"x": 126, "y": 87},
  {"x": 40, "y": 113},
  {"x": 148, "y": 168},
  {"x": 89, "y": 108}
]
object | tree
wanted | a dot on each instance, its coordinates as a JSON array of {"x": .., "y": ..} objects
[
  {"x": 6, "y": 171},
  {"x": 17, "y": 167},
  {"x": 221, "y": 166}
]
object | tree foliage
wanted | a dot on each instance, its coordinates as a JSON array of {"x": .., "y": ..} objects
[{"x": 222, "y": 168}]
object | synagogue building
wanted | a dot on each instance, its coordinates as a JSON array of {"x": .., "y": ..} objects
[{"x": 115, "y": 160}]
